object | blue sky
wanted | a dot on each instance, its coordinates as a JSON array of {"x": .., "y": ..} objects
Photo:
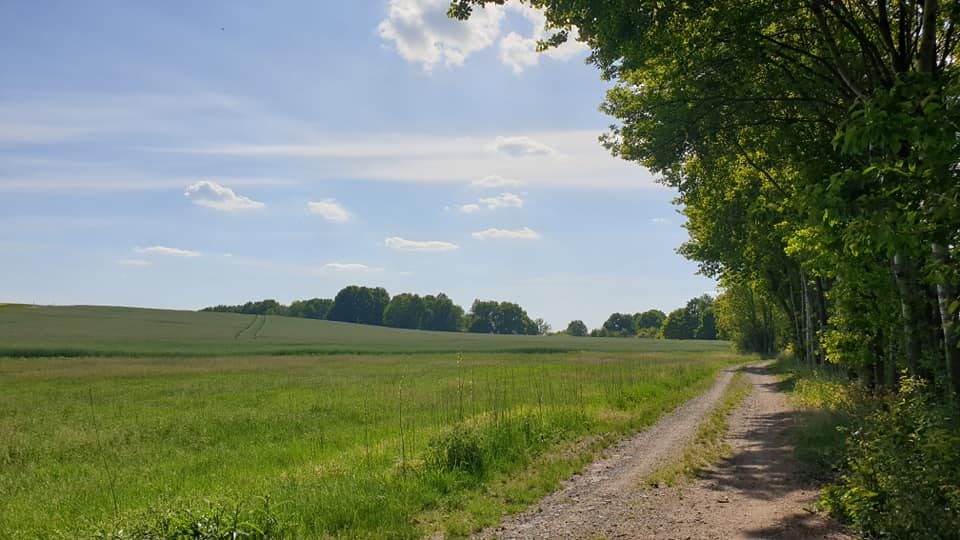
[{"x": 181, "y": 154}]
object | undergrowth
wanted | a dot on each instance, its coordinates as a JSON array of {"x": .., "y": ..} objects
[{"x": 891, "y": 460}]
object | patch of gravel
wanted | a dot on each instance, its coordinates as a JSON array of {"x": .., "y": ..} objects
[{"x": 761, "y": 491}]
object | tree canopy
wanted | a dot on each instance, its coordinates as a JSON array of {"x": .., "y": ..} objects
[{"x": 814, "y": 147}]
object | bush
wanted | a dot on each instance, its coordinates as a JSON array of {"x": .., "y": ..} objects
[
  {"x": 216, "y": 520},
  {"x": 901, "y": 476}
]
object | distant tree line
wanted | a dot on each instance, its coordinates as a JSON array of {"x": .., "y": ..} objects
[
  {"x": 374, "y": 306},
  {"x": 694, "y": 321}
]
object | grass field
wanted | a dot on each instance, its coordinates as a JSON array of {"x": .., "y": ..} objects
[
  {"x": 98, "y": 331},
  {"x": 331, "y": 445}
]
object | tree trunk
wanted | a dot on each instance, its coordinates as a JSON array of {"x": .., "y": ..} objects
[
  {"x": 946, "y": 295},
  {"x": 905, "y": 276},
  {"x": 808, "y": 320}
]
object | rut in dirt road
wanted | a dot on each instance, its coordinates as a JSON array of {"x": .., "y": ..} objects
[
  {"x": 761, "y": 491},
  {"x": 607, "y": 488}
]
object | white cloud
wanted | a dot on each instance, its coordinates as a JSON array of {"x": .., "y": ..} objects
[
  {"x": 469, "y": 208},
  {"x": 219, "y": 197},
  {"x": 331, "y": 210},
  {"x": 401, "y": 244},
  {"x": 519, "y": 52},
  {"x": 167, "y": 251},
  {"x": 133, "y": 262},
  {"x": 521, "y": 147},
  {"x": 495, "y": 181},
  {"x": 504, "y": 200},
  {"x": 422, "y": 32},
  {"x": 346, "y": 267},
  {"x": 660, "y": 220},
  {"x": 525, "y": 233}
]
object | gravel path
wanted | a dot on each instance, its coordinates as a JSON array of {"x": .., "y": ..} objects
[{"x": 759, "y": 492}]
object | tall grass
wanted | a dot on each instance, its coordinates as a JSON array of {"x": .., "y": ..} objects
[{"x": 340, "y": 445}]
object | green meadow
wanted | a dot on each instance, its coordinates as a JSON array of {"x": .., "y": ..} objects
[
  {"x": 100, "y": 331},
  {"x": 186, "y": 442}
]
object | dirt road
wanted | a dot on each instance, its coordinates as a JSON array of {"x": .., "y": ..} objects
[{"x": 759, "y": 492}]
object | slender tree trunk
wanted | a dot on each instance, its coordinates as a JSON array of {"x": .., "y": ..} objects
[
  {"x": 904, "y": 274},
  {"x": 946, "y": 295},
  {"x": 807, "y": 319}
]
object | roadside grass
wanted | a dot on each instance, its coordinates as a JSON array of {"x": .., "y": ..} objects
[
  {"x": 708, "y": 447},
  {"x": 42, "y": 331},
  {"x": 828, "y": 409},
  {"x": 371, "y": 446}
]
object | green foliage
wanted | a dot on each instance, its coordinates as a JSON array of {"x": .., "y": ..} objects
[
  {"x": 620, "y": 324},
  {"x": 491, "y": 317},
  {"x": 577, "y": 329},
  {"x": 363, "y": 305},
  {"x": 216, "y": 520},
  {"x": 405, "y": 311},
  {"x": 901, "y": 478},
  {"x": 649, "y": 319}
]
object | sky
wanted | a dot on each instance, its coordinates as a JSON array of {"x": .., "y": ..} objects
[{"x": 181, "y": 154}]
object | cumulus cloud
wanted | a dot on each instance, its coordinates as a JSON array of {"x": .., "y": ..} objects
[
  {"x": 519, "y": 52},
  {"x": 469, "y": 208},
  {"x": 422, "y": 32},
  {"x": 167, "y": 251},
  {"x": 331, "y": 210},
  {"x": 402, "y": 244},
  {"x": 504, "y": 200},
  {"x": 521, "y": 147},
  {"x": 346, "y": 267},
  {"x": 494, "y": 181},
  {"x": 133, "y": 262},
  {"x": 218, "y": 197},
  {"x": 525, "y": 233}
]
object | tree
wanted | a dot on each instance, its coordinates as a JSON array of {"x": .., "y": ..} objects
[
  {"x": 500, "y": 318},
  {"x": 441, "y": 313},
  {"x": 362, "y": 305},
  {"x": 577, "y": 328},
  {"x": 543, "y": 328},
  {"x": 620, "y": 324},
  {"x": 314, "y": 308},
  {"x": 649, "y": 319},
  {"x": 679, "y": 325},
  {"x": 813, "y": 145},
  {"x": 405, "y": 311}
]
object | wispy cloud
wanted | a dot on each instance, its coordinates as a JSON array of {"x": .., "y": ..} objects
[
  {"x": 346, "y": 267},
  {"x": 525, "y": 233},
  {"x": 167, "y": 251},
  {"x": 331, "y": 210},
  {"x": 133, "y": 262},
  {"x": 521, "y": 146},
  {"x": 504, "y": 200},
  {"x": 659, "y": 220},
  {"x": 469, "y": 208},
  {"x": 494, "y": 181},
  {"x": 219, "y": 197},
  {"x": 402, "y": 244}
]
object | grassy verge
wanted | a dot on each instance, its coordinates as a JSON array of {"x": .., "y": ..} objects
[{"x": 708, "y": 447}]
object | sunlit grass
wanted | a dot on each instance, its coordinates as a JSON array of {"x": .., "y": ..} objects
[{"x": 341, "y": 445}]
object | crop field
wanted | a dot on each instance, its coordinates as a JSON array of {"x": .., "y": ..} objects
[
  {"x": 97, "y": 331},
  {"x": 323, "y": 445}
]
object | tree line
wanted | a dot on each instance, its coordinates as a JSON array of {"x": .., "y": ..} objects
[
  {"x": 814, "y": 147},
  {"x": 696, "y": 320},
  {"x": 374, "y": 306}
]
